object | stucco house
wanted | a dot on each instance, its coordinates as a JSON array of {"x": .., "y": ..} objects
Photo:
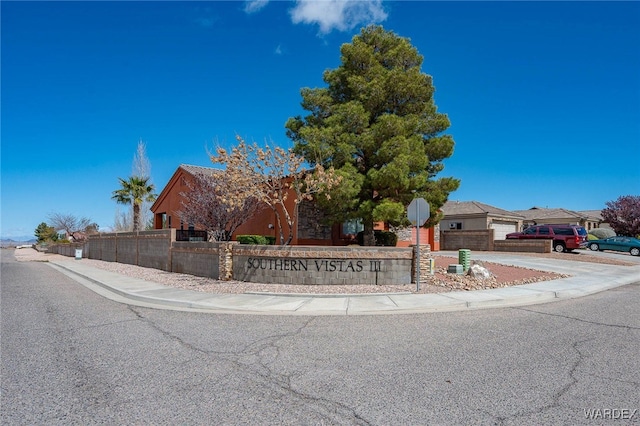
[
  {"x": 539, "y": 215},
  {"x": 595, "y": 215},
  {"x": 473, "y": 215},
  {"x": 309, "y": 229}
]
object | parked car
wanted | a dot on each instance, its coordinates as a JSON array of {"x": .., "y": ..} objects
[
  {"x": 565, "y": 237},
  {"x": 626, "y": 244}
]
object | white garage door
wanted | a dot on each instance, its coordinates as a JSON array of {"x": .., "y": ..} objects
[{"x": 500, "y": 230}]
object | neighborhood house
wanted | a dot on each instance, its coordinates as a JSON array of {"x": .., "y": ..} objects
[{"x": 309, "y": 229}]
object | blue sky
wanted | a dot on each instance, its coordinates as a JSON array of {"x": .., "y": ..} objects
[{"x": 543, "y": 97}]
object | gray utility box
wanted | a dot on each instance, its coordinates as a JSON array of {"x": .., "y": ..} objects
[{"x": 455, "y": 269}]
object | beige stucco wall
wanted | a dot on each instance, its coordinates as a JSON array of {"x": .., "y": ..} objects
[{"x": 468, "y": 223}]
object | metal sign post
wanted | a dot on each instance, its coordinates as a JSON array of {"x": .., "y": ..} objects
[
  {"x": 418, "y": 212},
  {"x": 418, "y": 253}
]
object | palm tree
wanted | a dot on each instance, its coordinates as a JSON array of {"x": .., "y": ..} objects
[{"x": 134, "y": 191}]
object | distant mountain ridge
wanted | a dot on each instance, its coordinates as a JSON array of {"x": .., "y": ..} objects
[{"x": 13, "y": 241}]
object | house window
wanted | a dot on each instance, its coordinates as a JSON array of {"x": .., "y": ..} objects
[
  {"x": 352, "y": 227},
  {"x": 455, "y": 225}
]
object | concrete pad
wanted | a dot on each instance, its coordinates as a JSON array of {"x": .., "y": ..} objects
[
  {"x": 250, "y": 303},
  {"x": 325, "y": 305},
  {"x": 470, "y": 296},
  {"x": 476, "y": 298},
  {"x": 427, "y": 302},
  {"x": 371, "y": 303},
  {"x": 276, "y": 303},
  {"x": 133, "y": 285},
  {"x": 513, "y": 296},
  {"x": 554, "y": 285},
  {"x": 173, "y": 294},
  {"x": 231, "y": 301}
]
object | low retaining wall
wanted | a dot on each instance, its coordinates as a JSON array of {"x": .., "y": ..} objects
[
  {"x": 313, "y": 265},
  {"x": 127, "y": 248},
  {"x": 199, "y": 259},
  {"x": 150, "y": 249},
  {"x": 530, "y": 246},
  {"x": 69, "y": 249},
  {"x": 479, "y": 240},
  {"x": 154, "y": 248},
  {"x": 299, "y": 265},
  {"x": 482, "y": 240},
  {"x": 103, "y": 247}
]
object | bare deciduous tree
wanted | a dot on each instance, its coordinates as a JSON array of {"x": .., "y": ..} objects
[
  {"x": 74, "y": 227},
  {"x": 123, "y": 220},
  {"x": 212, "y": 203},
  {"x": 141, "y": 168},
  {"x": 272, "y": 175}
]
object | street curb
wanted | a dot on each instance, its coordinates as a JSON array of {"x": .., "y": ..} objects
[{"x": 149, "y": 293}]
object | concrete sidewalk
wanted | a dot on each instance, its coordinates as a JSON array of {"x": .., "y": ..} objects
[{"x": 587, "y": 278}]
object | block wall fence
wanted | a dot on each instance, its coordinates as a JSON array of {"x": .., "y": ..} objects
[
  {"x": 481, "y": 240},
  {"x": 305, "y": 265},
  {"x": 300, "y": 265}
]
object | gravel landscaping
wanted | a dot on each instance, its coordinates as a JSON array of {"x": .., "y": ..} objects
[{"x": 441, "y": 281}]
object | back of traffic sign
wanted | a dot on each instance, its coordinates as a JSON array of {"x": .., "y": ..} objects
[{"x": 418, "y": 211}]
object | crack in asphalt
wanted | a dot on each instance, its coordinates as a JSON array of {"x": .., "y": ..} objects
[
  {"x": 259, "y": 356},
  {"x": 572, "y": 372},
  {"x": 267, "y": 351},
  {"x": 613, "y": 379},
  {"x": 555, "y": 398},
  {"x": 89, "y": 327},
  {"x": 165, "y": 333},
  {"x": 624, "y": 327}
]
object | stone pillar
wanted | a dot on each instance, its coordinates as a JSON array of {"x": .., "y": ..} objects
[
  {"x": 422, "y": 263},
  {"x": 225, "y": 261}
]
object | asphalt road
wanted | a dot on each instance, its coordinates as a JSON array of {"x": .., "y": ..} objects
[{"x": 70, "y": 356}]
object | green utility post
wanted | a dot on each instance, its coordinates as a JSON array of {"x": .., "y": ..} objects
[{"x": 464, "y": 259}]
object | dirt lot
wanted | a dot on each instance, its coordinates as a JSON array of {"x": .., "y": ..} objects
[{"x": 441, "y": 281}]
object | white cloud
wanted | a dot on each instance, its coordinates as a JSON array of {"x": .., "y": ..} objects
[
  {"x": 342, "y": 15},
  {"x": 254, "y": 5},
  {"x": 278, "y": 50}
]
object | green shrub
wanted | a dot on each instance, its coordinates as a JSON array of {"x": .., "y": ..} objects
[
  {"x": 602, "y": 233},
  {"x": 251, "y": 239},
  {"x": 386, "y": 238},
  {"x": 271, "y": 240},
  {"x": 383, "y": 238}
]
